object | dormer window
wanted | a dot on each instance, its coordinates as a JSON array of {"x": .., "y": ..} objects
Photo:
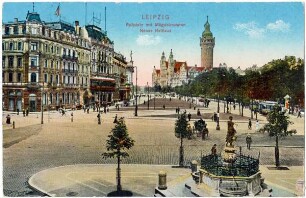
[{"x": 34, "y": 30}]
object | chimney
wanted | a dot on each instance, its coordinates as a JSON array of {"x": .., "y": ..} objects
[
  {"x": 15, "y": 20},
  {"x": 76, "y": 23}
]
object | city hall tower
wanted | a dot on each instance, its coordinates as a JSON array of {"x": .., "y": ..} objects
[{"x": 207, "y": 43}]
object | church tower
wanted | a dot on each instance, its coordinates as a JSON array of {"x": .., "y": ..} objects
[{"x": 207, "y": 43}]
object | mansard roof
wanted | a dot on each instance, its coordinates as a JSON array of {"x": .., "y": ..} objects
[
  {"x": 97, "y": 33},
  {"x": 61, "y": 25},
  {"x": 33, "y": 17}
]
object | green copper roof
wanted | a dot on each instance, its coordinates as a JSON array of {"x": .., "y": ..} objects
[
  {"x": 33, "y": 17},
  {"x": 207, "y": 32}
]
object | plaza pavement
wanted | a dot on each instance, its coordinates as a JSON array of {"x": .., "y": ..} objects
[{"x": 31, "y": 147}]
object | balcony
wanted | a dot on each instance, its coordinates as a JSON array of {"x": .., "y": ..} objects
[
  {"x": 70, "y": 71},
  {"x": 33, "y": 85},
  {"x": 70, "y": 58}
]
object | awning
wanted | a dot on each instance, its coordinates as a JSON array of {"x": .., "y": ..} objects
[{"x": 102, "y": 79}]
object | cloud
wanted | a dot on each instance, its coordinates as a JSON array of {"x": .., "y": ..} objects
[
  {"x": 279, "y": 26},
  {"x": 251, "y": 29},
  {"x": 146, "y": 40}
]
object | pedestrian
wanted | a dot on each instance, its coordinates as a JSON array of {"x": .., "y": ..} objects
[
  {"x": 299, "y": 114},
  {"x": 189, "y": 116},
  {"x": 23, "y": 112},
  {"x": 8, "y": 119},
  {"x": 175, "y": 110},
  {"x": 115, "y": 120},
  {"x": 190, "y": 106},
  {"x": 71, "y": 116},
  {"x": 63, "y": 112},
  {"x": 250, "y": 124},
  {"x": 99, "y": 118},
  {"x": 27, "y": 112},
  {"x": 257, "y": 126},
  {"x": 164, "y": 107},
  {"x": 94, "y": 108},
  {"x": 198, "y": 112},
  {"x": 170, "y": 98},
  {"x": 214, "y": 149},
  {"x": 234, "y": 106},
  {"x": 88, "y": 110},
  {"x": 248, "y": 140},
  {"x": 17, "y": 111},
  {"x": 194, "y": 107},
  {"x": 105, "y": 109},
  {"x": 178, "y": 110}
]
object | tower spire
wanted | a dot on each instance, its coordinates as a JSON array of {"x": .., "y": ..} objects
[{"x": 207, "y": 19}]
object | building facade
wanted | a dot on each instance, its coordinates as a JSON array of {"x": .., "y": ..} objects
[
  {"x": 207, "y": 43},
  {"x": 56, "y": 64},
  {"x": 174, "y": 73}
]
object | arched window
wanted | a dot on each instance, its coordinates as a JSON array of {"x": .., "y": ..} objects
[{"x": 33, "y": 77}]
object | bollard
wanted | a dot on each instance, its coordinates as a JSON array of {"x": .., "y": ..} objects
[
  {"x": 162, "y": 180},
  {"x": 194, "y": 166},
  {"x": 13, "y": 124}
]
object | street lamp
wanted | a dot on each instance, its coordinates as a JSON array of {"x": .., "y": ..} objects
[
  {"x": 42, "y": 106},
  {"x": 218, "y": 114},
  {"x": 148, "y": 96},
  {"x": 136, "y": 107}
]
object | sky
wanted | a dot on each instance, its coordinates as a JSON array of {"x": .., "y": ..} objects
[{"x": 246, "y": 33}]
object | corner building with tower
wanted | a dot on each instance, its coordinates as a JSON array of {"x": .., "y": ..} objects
[{"x": 57, "y": 64}]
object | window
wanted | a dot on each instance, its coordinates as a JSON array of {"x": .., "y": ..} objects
[
  {"x": 68, "y": 79},
  {"x": 46, "y": 78},
  {"x": 57, "y": 50},
  {"x": 19, "y": 62},
  {"x": 51, "y": 78},
  {"x": 7, "y": 30},
  {"x": 15, "y": 29},
  {"x": 18, "y": 77},
  {"x": 3, "y": 61},
  {"x": 57, "y": 65},
  {"x": 46, "y": 63},
  {"x": 33, "y": 77},
  {"x": 19, "y": 45},
  {"x": 10, "y": 61},
  {"x": 34, "y": 46},
  {"x": 11, "y": 46},
  {"x": 10, "y": 77},
  {"x": 52, "y": 64},
  {"x": 46, "y": 47},
  {"x": 51, "y": 49},
  {"x": 64, "y": 51},
  {"x": 34, "y": 30},
  {"x": 55, "y": 35},
  {"x": 43, "y": 31},
  {"x": 56, "y": 79},
  {"x": 34, "y": 61},
  {"x": 64, "y": 79},
  {"x": 3, "y": 46}
]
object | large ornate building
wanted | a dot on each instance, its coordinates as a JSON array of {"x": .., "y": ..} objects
[
  {"x": 54, "y": 64},
  {"x": 174, "y": 73}
]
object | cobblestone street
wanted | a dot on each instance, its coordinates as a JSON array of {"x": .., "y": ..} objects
[{"x": 61, "y": 142}]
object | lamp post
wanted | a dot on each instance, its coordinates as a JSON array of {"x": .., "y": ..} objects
[
  {"x": 136, "y": 107},
  {"x": 148, "y": 96},
  {"x": 218, "y": 114},
  {"x": 42, "y": 106}
]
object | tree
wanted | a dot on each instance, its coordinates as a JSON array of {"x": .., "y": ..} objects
[
  {"x": 118, "y": 141},
  {"x": 182, "y": 130},
  {"x": 277, "y": 127}
]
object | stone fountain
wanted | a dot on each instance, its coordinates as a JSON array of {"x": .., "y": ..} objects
[{"x": 229, "y": 173}]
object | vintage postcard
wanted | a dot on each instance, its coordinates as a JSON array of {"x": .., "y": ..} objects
[{"x": 153, "y": 99}]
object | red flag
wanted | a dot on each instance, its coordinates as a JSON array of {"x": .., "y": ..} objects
[{"x": 57, "y": 12}]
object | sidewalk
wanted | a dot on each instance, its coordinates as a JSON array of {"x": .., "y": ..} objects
[{"x": 98, "y": 180}]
